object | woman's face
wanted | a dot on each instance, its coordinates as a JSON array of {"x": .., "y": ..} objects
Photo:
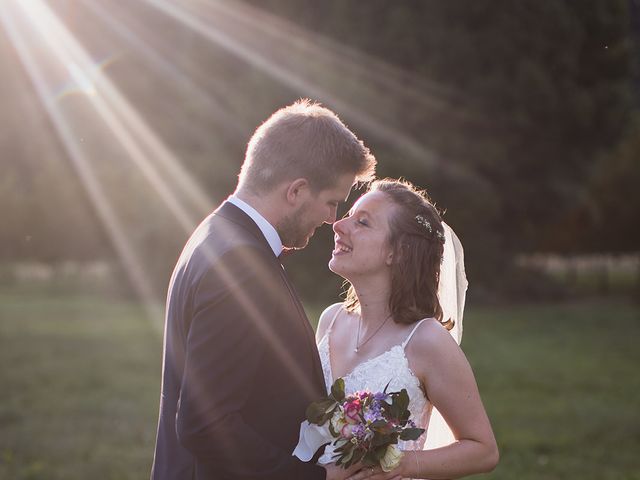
[{"x": 362, "y": 238}]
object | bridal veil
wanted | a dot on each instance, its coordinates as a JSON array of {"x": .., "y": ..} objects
[{"x": 451, "y": 293}]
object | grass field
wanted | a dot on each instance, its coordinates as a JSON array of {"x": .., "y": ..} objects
[
  {"x": 80, "y": 379},
  {"x": 80, "y": 388}
]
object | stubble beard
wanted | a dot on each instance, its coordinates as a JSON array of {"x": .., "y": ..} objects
[{"x": 293, "y": 231}]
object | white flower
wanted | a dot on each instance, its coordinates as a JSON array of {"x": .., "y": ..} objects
[
  {"x": 391, "y": 458},
  {"x": 338, "y": 421}
]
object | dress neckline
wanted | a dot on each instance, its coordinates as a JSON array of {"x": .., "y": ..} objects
[
  {"x": 351, "y": 372},
  {"x": 361, "y": 364}
]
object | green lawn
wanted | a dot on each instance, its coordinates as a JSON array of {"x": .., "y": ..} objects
[
  {"x": 80, "y": 383},
  {"x": 80, "y": 388},
  {"x": 561, "y": 385}
]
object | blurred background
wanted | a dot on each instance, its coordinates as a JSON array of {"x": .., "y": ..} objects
[{"x": 125, "y": 123}]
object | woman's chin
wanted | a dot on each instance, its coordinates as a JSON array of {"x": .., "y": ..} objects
[{"x": 335, "y": 267}]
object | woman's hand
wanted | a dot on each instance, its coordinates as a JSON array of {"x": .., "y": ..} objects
[{"x": 376, "y": 473}]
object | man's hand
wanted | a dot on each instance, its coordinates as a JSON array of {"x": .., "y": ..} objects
[
  {"x": 375, "y": 473},
  {"x": 338, "y": 473}
]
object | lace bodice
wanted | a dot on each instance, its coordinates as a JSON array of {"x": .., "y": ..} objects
[{"x": 373, "y": 374}]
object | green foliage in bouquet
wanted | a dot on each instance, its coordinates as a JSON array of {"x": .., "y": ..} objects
[{"x": 364, "y": 424}]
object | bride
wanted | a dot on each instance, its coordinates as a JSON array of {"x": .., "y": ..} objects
[{"x": 391, "y": 328}]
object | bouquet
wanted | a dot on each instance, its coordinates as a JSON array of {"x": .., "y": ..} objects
[{"x": 361, "y": 427}]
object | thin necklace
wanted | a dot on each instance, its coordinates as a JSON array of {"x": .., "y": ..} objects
[{"x": 358, "y": 344}]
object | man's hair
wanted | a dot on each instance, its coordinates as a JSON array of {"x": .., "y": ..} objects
[{"x": 304, "y": 140}]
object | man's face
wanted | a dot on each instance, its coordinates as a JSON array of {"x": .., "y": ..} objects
[{"x": 296, "y": 229}]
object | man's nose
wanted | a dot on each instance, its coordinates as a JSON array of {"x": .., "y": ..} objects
[{"x": 332, "y": 215}]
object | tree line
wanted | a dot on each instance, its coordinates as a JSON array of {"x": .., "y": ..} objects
[{"x": 522, "y": 119}]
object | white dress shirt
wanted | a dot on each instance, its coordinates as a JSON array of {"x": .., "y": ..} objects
[{"x": 265, "y": 227}]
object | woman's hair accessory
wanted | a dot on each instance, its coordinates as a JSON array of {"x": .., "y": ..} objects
[{"x": 427, "y": 225}]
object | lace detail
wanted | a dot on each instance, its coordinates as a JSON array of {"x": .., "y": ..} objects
[{"x": 390, "y": 367}]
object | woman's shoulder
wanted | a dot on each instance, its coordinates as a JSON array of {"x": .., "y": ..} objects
[
  {"x": 326, "y": 318},
  {"x": 437, "y": 359},
  {"x": 432, "y": 338}
]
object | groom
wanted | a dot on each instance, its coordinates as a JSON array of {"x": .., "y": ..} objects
[{"x": 240, "y": 363}]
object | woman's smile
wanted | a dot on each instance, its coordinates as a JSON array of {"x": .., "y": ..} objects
[{"x": 341, "y": 247}]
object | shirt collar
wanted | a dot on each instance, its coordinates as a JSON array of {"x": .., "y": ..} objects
[{"x": 265, "y": 227}]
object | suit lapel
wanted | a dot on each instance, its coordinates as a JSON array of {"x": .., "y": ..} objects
[
  {"x": 236, "y": 215},
  {"x": 311, "y": 342}
]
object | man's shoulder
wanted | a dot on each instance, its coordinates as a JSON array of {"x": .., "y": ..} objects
[
  {"x": 218, "y": 236},
  {"x": 216, "y": 243}
]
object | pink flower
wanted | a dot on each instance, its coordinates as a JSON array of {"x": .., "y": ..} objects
[
  {"x": 347, "y": 431},
  {"x": 363, "y": 395},
  {"x": 352, "y": 411}
]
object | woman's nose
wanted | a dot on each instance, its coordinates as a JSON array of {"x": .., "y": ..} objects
[{"x": 339, "y": 226}]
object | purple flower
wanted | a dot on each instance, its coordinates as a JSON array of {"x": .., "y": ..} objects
[
  {"x": 380, "y": 396},
  {"x": 370, "y": 416}
]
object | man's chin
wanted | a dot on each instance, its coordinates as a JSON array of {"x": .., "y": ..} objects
[{"x": 299, "y": 244}]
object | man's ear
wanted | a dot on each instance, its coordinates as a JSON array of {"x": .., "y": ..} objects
[{"x": 297, "y": 191}]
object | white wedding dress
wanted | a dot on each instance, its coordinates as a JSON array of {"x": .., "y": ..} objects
[{"x": 390, "y": 367}]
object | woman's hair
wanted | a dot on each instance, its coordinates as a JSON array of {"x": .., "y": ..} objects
[{"x": 416, "y": 236}]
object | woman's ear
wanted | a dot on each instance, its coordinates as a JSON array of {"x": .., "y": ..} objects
[{"x": 389, "y": 259}]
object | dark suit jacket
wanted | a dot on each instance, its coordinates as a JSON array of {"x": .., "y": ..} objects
[{"x": 240, "y": 363}]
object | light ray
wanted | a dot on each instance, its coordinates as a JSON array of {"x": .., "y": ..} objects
[
  {"x": 249, "y": 40},
  {"x": 132, "y": 131},
  {"x": 98, "y": 197},
  {"x": 118, "y": 25},
  {"x": 327, "y": 53},
  {"x": 305, "y": 87},
  {"x": 275, "y": 340},
  {"x": 81, "y": 83},
  {"x": 67, "y": 50}
]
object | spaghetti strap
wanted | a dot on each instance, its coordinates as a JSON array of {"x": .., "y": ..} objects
[
  {"x": 404, "y": 344},
  {"x": 333, "y": 320}
]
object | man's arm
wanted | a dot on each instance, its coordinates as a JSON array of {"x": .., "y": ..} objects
[{"x": 225, "y": 346}]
